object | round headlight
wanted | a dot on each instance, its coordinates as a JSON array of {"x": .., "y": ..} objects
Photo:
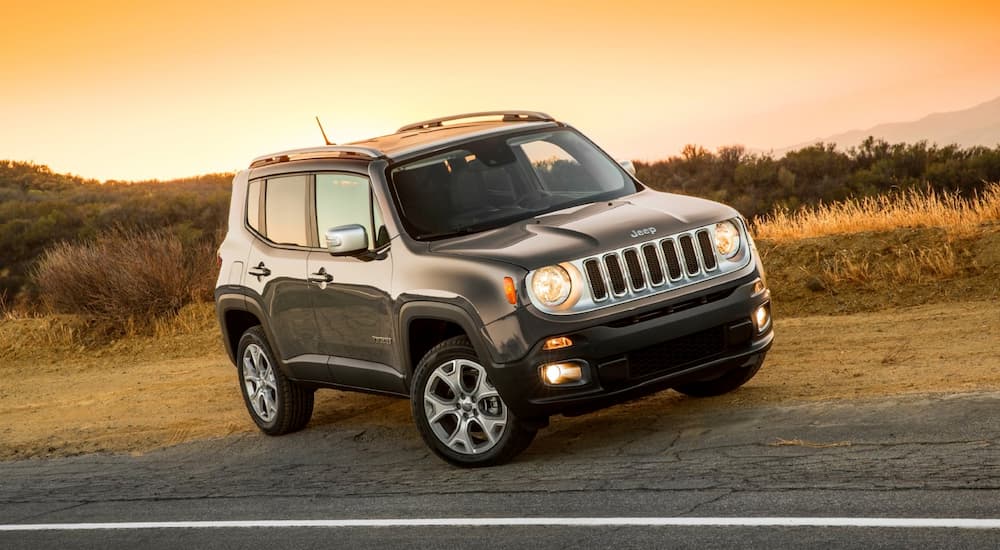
[
  {"x": 551, "y": 285},
  {"x": 727, "y": 239}
]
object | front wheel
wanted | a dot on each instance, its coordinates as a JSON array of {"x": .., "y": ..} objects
[{"x": 459, "y": 412}]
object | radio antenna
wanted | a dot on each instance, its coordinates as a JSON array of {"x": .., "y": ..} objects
[{"x": 322, "y": 131}]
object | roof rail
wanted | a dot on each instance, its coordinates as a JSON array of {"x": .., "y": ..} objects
[
  {"x": 508, "y": 116},
  {"x": 330, "y": 151}
]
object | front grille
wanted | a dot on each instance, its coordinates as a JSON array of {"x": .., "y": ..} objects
[
  {"x": 653, "y": 261},
  {"x": 673, "y": 263},
  {"x": 676, "y": 354},
  {"x": 707, "y": 250},
  {"x": 597, "y": 286},
  {"x": 615, "y": 273},
  {"x": 690, "y": 258},
  {"x": 635, "y": 274},
  {"x": 651, "y": 264}
]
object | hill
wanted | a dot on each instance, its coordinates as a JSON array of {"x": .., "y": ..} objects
[
  {"x": 975, "y": 126},
  {"x": 39, "y": 208}
]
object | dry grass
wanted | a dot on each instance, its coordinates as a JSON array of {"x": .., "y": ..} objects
[
  {"x": 912, "y": 208},
  {"x": 51, "y": 337},
  {"x": 904, "y": 265},
  {"x": 40, "y": 336},
  {"x": 191, "y": 319},
  {"x": 125, "y": 278}
]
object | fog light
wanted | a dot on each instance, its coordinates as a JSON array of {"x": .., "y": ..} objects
[
  {"x": 557, "y": 374},
  {"x": 762, "y": 317},
  {"x": 557, "y": 343}
]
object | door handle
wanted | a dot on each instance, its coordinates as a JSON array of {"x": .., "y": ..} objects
[
  {"x": 259, "y": 271},
  {"x": 320, "y": 276}
]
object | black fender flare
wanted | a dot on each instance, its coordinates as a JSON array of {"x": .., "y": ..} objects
[
  {"x": 427, "y": 309},
  {"x": 241, "y": 299}
]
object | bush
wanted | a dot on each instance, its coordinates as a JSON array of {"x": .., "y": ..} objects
[
  {"x": 125, "y": 276},
  {"x": 39, "y": 208}
]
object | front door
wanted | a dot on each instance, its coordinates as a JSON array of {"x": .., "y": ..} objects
[{"x": 351, "y": 298}]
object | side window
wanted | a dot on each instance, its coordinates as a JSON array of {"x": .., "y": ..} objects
[
  {"x": 253, "y": 206},
  {"x": 344, "y": 199},
  {"x": 285, "y": 210}
]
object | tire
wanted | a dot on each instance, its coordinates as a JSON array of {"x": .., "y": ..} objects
[
  {"x": 276, "y": 404},
  {"x": 724, "y": 384},
  {"x": 459, "y": 412}
]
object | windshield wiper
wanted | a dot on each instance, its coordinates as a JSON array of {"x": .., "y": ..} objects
[
  {"x": 441, "y": 235},
  {"x": 468, "y": 229}
]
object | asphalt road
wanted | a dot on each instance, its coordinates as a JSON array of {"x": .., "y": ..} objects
[{"x": 909, "y": 457}]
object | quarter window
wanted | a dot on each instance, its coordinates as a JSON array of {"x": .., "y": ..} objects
[{"x": 253, "y": 205}]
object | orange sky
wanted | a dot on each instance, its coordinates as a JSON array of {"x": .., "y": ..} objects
[{"x": 134, "y": 89}]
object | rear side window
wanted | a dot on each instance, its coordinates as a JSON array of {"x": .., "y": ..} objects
[
  {"x": 285, "y": 203},
  {"x": 253, "y": 206}
]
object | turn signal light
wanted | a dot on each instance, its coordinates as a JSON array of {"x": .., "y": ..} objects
[
  {"x": 557, "y": 343},
  {"x": 510, "y": 290}
]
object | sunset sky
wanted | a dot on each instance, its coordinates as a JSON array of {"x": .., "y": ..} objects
[{"x": 134, "y": 89}]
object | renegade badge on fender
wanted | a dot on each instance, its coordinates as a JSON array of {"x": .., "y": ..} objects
[{"x": 495, "y": 268}]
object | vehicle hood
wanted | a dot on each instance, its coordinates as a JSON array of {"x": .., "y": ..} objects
[{"x": 587, "y": 230}]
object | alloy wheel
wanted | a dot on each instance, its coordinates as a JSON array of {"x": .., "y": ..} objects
[
  {"x": 258, "y": 378},
  {"x": 463, "y": 408}
]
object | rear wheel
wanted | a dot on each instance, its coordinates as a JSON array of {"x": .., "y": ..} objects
[
  {"x": 724, "y": 384},
  {"x": 276, "y": 404},
  {"x": 459, "y": 412}
]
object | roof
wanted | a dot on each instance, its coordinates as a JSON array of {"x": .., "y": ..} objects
[{"x": 416, "y": 138}]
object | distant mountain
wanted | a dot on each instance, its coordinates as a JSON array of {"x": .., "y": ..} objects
[{"x": 979, "y": 125}]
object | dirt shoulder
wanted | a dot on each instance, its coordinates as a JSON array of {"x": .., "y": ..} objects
[{"x": 145, "y": 393}]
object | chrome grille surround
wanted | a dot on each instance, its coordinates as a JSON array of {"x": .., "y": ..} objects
[{"x": 658, "y": 272}]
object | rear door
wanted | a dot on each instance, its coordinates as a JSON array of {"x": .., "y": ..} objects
[{"x": 277, "y": 269}]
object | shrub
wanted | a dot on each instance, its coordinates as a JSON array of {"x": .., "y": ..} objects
[{"x": 125, "y": 276}]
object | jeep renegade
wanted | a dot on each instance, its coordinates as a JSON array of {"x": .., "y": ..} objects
[{"x": 495, "y": 268}]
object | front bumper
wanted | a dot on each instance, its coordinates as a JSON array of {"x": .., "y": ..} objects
[{"x": 658, "y": 347}]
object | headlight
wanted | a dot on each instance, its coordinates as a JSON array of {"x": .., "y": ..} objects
[
  {"x": 551, "y": 285},
  {"x": 727, "y": 239}
]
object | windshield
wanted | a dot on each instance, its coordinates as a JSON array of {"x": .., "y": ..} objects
[{"x": 495, "y": 181}]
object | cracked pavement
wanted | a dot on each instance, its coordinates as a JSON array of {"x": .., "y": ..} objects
[{"x": 909, "y": 456}]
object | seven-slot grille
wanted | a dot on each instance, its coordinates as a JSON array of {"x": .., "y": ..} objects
[{"x": 651, "y": 264}]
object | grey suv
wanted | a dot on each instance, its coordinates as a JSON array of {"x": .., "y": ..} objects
[{"x": 495, "y": 268}]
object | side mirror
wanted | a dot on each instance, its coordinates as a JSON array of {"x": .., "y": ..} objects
[
  {"x": 346, "y": 240},
  {"x": 628, "y": 165}
]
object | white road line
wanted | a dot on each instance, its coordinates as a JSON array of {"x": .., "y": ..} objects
[{"x": 905, "y": 523}]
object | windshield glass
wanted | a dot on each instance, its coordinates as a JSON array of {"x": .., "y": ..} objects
[{"x": 492, "y": 182}]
